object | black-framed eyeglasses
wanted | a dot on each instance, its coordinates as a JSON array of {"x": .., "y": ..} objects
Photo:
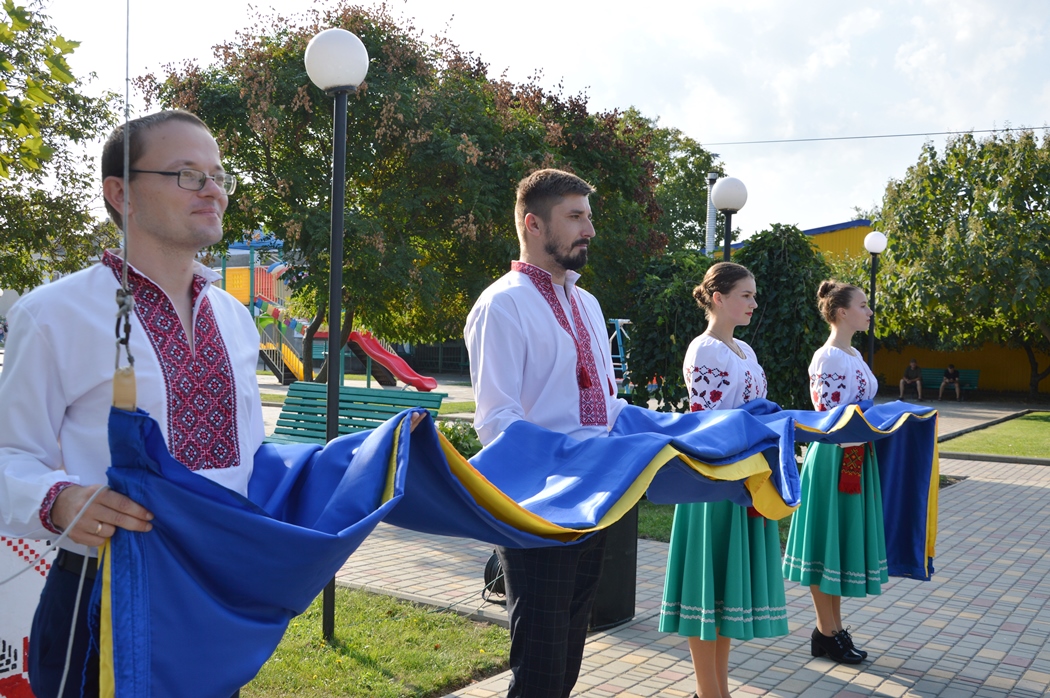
[{"x": 194, "y": 180}]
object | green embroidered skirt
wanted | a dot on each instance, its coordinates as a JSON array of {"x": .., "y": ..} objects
[
  {"x": 837, "y": 540},
  {"x": 723, "y": 574}
]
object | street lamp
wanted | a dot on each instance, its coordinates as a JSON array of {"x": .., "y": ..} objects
[
  {"x": 729, "y": 196},
  {"x": 337, "y": 62},
  {"x": 875, "y": 243}
]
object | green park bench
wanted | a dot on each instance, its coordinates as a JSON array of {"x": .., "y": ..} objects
[
  {"x": 932, "y": 377},
  {"x": 303, "y": 418}
]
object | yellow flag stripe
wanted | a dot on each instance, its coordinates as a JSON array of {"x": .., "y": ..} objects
[{"x": 107, "y": 679}]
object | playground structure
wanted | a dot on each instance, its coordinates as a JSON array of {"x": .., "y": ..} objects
[
  {"x": 261, "y": 288},
  {"x": 618, "y": 346}
]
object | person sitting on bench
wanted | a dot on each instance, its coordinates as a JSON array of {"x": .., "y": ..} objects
[
  {"x": 951, "y": 377},
  {"x": 912, "y": 376}
]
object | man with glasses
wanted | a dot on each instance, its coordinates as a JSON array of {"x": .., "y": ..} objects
[{"x": 196, "y": 350}]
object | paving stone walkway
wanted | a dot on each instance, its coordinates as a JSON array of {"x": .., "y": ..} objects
[{"x": 980, "y": 628}]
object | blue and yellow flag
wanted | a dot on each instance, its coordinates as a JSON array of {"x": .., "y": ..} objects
[{"x": 197, "y": 605}]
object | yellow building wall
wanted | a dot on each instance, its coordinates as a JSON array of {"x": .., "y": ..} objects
[
  {"x": 1001, "y": 368},
  {"x": 848, "y": 242}
]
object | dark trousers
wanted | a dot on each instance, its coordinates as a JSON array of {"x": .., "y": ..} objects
[
  {"x": 550, "y": 592},
  {"x": 49, "y": 639}
]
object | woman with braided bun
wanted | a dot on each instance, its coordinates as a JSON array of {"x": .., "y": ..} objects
[
  {"x": 837, "y": 543},
  {"x": 723, "y": 568}
]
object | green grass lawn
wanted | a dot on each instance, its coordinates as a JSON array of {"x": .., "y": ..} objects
[
  {"x": 452, "y": 407},
  {"x": 1024, "y": 436},
  {"x": 384, "y": 648},
  {"x": 654, "y": 520}
]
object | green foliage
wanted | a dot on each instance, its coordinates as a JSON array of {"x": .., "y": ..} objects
[
  {"x": 682, "y": 165},
  {"x": 34, "y": 70},
  {"x": 435, "y": 148},
  {"x": 665, "y": 320},
  {"x": 969, "y": 246},
  {"x": 383, "y": 648},
  {"x": 462, "y": 437},
  {"x": 46, "y": 190},
  {"x": 786, "y": 328},
  {"x": 784, "y": 333}
]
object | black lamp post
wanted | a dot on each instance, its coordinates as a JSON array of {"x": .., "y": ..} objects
[
  {"x": 875, "y": 243},
  {"x": 337, "y": 62},
  {"x": 729, "y": 196}
]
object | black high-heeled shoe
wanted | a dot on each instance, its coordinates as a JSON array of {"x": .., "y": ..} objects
[
  {"x": 834, "y": 647},
  {"x": 852, "y": 645}
]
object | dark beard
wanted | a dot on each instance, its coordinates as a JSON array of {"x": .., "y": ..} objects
[{"x": 570, "y": 261}]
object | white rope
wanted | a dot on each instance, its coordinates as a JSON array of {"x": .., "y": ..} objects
[
  {"x": 125, "y": 300},
  {"x": 73, "y": 627},
  {"x": 127, "y": 136}
]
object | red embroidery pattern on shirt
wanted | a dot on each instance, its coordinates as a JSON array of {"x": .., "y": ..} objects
[
  {"x": 755, "y": 385},
  {"x": 202, "y": 410},
  {"x": 862, "y": 385},
  {"x": 749, "y": 385},
  {"x": 707, "y": 397},
  {"x": 592, "y": 394},
  {"x": 827, "y": 389}
]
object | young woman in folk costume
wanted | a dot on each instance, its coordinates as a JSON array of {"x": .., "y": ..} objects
[
  {"x": 837, "y": 544},
  {"x": 723, "y": 569}
]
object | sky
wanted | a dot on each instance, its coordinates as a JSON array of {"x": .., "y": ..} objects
[{"x": 750, "y": 70}]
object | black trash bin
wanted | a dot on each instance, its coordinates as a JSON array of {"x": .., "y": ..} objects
[{"x": 614, "y": 604}]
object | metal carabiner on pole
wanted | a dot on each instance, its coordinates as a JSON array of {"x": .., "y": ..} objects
[{"x": 124, "y": 397}]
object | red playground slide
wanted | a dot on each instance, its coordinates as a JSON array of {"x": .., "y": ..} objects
[{"x": 392, "y": 362}]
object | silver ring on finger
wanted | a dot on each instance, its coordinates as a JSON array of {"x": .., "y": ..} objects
[{"x": 98, "y": 529}]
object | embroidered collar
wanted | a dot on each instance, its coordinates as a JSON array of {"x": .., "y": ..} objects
[
  {"x": 592, "y": 395},
  {"x": 200, "y": 390}
]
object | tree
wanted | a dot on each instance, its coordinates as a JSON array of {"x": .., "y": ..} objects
[
  {"x": 969, "y": 254},
  {"x": 666, "y": 319},
  {"x": 46, "y": 189},
  {"x": 787, "y": 327},
  {"x": 434, "y": 150},
  {"x": 682, "y": 165}
]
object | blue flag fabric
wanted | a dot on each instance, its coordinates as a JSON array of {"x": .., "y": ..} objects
[
  {"x": 196, "y": 606},
  {"x": 766, "y": 426},
  {"x": 200, "y": 602},
  {"x": 905, "y": 440}
]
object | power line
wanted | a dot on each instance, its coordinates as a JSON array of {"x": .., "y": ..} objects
[{"x": 861, "y": 138}]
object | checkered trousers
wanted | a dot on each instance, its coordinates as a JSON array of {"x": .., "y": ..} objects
[{"x": 550, "y": 592}]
